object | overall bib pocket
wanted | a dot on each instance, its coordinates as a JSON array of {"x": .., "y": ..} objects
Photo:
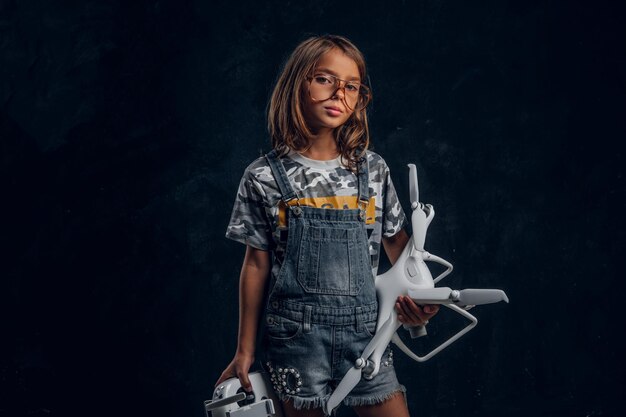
[{"x": 330, "y": 259}]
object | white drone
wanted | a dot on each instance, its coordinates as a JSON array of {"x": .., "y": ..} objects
[{"x": 408, "y": 276}]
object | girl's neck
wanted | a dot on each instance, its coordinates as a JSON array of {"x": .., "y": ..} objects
[{"x": 323, "y": 147}]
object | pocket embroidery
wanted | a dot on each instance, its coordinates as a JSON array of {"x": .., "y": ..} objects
[
  {"x": 285, "y": 379},
  {"x": 389, "y": 360}
]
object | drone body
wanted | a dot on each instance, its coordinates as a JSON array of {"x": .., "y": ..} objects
[{"x": 410, "y": 276}]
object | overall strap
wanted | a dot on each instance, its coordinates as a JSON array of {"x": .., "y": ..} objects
[
  {"x": 280, "y": 175},
  {"x": 363, "y": 175}
]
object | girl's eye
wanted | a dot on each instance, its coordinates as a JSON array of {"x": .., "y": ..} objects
[
  {"x": 322, "y": 80},
  {"x": 352, "y": 87}
]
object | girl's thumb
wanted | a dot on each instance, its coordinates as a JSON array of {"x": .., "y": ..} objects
[{"x": 245, "y": 381}]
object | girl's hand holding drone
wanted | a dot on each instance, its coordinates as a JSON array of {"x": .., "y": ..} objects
[{"x": 412, "y": 314}]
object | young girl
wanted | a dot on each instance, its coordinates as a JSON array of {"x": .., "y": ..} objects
[{"x": 313, "y": 213}]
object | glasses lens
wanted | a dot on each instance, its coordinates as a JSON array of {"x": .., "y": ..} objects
[
  {"x": 364, "y": 98},
  {"x": 324, "y": 87}
]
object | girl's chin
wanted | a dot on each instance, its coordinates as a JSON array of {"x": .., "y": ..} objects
[
  {"x": 332, "y": 122},
  {"x": 320, "y": 127},
  {"x": 324, "y": 122}
]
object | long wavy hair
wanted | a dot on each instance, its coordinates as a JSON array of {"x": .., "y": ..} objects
[{"x": 285, "y": 118}]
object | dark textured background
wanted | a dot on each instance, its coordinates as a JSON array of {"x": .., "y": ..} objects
[{"x": 126, "y": 126}]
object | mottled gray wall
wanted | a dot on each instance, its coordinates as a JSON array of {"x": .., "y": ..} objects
[{"x": 126, "y": 126}]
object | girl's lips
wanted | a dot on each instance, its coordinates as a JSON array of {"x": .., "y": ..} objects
[{"x": 333, "y": 111}]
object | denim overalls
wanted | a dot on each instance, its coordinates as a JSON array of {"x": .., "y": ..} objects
[{"x": 322, "y": 306}]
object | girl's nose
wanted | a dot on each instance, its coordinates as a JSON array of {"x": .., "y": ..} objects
[{"x": 339, "y": 90}]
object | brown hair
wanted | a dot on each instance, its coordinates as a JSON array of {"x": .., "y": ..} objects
[{"x": 285, "y": 120}]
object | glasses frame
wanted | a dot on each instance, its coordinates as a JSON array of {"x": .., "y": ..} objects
[{"x": 364, "y": 90}]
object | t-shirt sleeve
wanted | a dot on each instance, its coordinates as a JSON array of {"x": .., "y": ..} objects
[
  {"x": 394, "y": 219},
  {"x": 248, "y": 222}
]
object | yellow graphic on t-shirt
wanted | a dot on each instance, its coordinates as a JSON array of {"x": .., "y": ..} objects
[{"x": 338, "y": 202}]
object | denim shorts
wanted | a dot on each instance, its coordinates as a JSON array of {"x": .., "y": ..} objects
[{"x": 308, "y": 352}]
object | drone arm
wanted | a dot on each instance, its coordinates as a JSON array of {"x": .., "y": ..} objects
[
  {"x": 434, "y": 258},
  {"x": 396, "y": 339}
]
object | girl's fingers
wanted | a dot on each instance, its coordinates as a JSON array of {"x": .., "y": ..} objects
[
  {"x": 244, "y": 380},
  {"x": 410, "y": 315},
  {"x": 222, "y": 378},
  {"x": 414, "y": 308},
  {"x": 425, "y": 313},
  {"x": 402, "y": 310},
  {"x": 431, "y": 309}
]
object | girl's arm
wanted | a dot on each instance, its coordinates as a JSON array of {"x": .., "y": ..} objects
[
  {"x": 254, "y": 273},
  {"x": 409, "y": 313},
  {"x": 395, "y": 244}
]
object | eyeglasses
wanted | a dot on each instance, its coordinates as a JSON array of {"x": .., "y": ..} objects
[{"x": 322, "y": 87}]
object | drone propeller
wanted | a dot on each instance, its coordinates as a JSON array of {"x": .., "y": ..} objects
[
  {"x": 413, "y": 188},
  {"x": 349, "y": 381},
  {"x": 353, "y": 376},
  {"x": 444, "y": 295}
]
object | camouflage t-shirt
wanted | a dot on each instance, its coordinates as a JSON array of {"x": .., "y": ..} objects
[{"x": 259, "y": 216}]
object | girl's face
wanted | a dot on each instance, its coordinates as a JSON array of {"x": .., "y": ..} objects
[{"x": 331, "y": 113}]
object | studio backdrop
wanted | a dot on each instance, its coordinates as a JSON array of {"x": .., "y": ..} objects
[{"x": 125, "y": 129}]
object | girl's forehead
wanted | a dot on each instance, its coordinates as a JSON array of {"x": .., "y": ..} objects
[{"x": 337, "y": 63}]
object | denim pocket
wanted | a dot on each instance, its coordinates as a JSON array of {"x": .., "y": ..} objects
[
  {"x": 280, "y": 328},
  {"x": 370, "y": 328},
  {"x": 331, "y": 259}
]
